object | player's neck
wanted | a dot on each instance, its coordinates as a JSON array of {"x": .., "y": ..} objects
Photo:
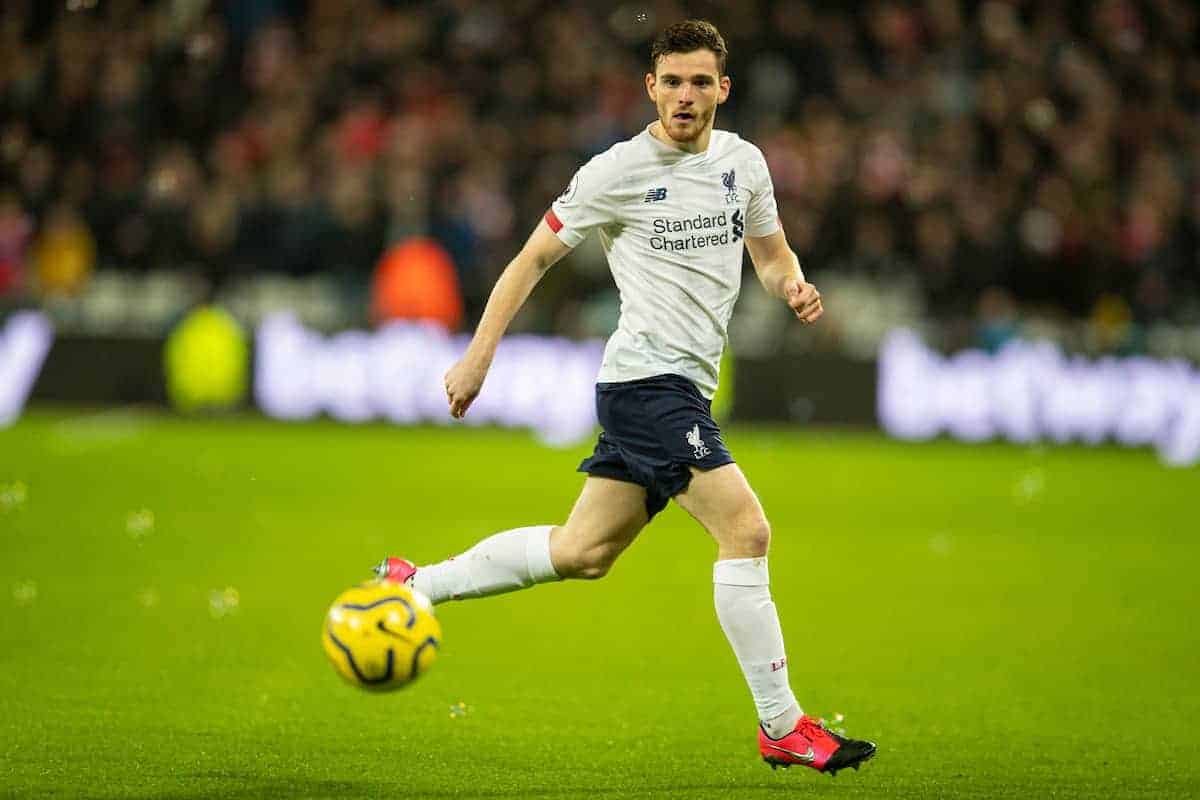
[{"x": 697, "y": 145}]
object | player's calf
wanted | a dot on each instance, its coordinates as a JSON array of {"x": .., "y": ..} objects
[
  {"x": 504, "y": 562},
  {"x": 583, "y": 562}
]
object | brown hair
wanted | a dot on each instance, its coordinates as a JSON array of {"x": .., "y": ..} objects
[{"x": 686, "y": 37}]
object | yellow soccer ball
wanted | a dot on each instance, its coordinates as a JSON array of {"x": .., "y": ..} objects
[{"x": 381, "y": 635}]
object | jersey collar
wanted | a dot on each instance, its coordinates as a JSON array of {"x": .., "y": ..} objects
[{"x": 678, "y": 155}]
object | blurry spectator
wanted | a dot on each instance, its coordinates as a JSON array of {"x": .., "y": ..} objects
[
  {"x": 15, "y": 229},
  {"x": 415, "y": 280},
  {"x": 997, "y": 315},
  {"x": 36, "y": 176},
  {"x": 172, "y": 184},
  {"x": 1111, "y": 324},
  {"x": 351, "y": 226},
  {"x": 213, "y": 229},
  {"x": 937, "y": 245},
  {"x": 281, "y": 230},
  {"x": 65, "y": 252}
]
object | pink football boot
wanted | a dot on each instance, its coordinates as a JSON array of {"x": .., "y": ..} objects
[
  {"x": 396, "y": 570},
  {"x": 813, "y": 745}
]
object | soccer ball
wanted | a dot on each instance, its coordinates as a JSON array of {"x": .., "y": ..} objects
[{"x": 381, "y": 635}]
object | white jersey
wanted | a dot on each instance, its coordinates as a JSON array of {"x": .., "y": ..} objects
[{"x": 673, "y": 226}]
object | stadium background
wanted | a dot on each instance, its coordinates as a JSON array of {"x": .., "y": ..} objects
[{"x": 1009, "y": 620}]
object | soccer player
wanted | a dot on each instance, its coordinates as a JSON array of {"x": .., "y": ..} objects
[{"x": 673, "y": 207}]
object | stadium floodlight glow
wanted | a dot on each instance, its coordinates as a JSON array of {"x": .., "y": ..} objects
[
  {"x": 539, "y": 382},
  {"x": 24, "y": 343},
  {"x": 1029, "y": 391}
]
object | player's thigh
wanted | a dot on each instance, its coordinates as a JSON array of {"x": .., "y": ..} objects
[
  {"x": 606, "y": 518},
  {"x": 722, "y": 501}
]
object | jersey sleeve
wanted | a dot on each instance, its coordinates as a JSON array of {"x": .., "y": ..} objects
[
  {"x": 762, "y": 216},
  {"x": 587, "y": 203}
]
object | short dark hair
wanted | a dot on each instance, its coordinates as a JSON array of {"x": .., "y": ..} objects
[{"x": 686, "y": 37}]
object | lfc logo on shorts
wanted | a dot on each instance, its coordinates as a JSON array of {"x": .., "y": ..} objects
[{"x": 700, "y": 449}]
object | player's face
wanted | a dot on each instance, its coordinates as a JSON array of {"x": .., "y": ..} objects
[{"x": 687, "y": 88}]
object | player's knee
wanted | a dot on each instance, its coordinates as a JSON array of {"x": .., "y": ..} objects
[{"x": 753, "y": 534}]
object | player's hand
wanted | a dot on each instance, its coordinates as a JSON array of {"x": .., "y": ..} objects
[
  {"x": 462, "y": 383},
  {"x": 804, "y": 300}
]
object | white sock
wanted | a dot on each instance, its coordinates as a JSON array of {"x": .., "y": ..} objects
[
  {"x": 505, "y": 562},
  {"x": 742, "y": 594}
]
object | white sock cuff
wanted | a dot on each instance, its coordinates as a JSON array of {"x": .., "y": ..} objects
[
  {"x": 537, "y": 555},
  {"x": 741, "y": 572}
]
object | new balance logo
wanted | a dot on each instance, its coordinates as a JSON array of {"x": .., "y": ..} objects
[
  {"x": 778, "y": 664},
  {"x": 699, "y": 448},
  {"x": 654, "y": 195},
  {"x": 739, "y": 225}
]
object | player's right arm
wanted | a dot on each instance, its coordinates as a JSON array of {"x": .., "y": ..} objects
[
  {"x": 587, "y": 203},
  {"x": 541, "y": 251}
]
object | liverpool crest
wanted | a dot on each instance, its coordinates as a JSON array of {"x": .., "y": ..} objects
[{"x": 730, "y": 182}]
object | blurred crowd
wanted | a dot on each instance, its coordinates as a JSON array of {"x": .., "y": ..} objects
[{"x": 1006, "y": 158}]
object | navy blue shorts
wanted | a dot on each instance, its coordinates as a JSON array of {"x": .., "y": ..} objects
[{"x": 654, "y": 430}]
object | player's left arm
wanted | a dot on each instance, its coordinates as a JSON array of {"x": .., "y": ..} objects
[{"x": 780, "y": 274}]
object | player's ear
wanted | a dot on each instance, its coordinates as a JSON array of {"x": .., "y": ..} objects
[
  {"x": 724, "y": 84},
  {"x": 651, "y": 83}
]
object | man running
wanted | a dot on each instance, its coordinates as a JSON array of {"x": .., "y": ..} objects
[{"x": 673, "y": 207}]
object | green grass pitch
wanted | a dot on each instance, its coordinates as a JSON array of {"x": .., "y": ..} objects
[{"x": 1003, "y": 621}]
